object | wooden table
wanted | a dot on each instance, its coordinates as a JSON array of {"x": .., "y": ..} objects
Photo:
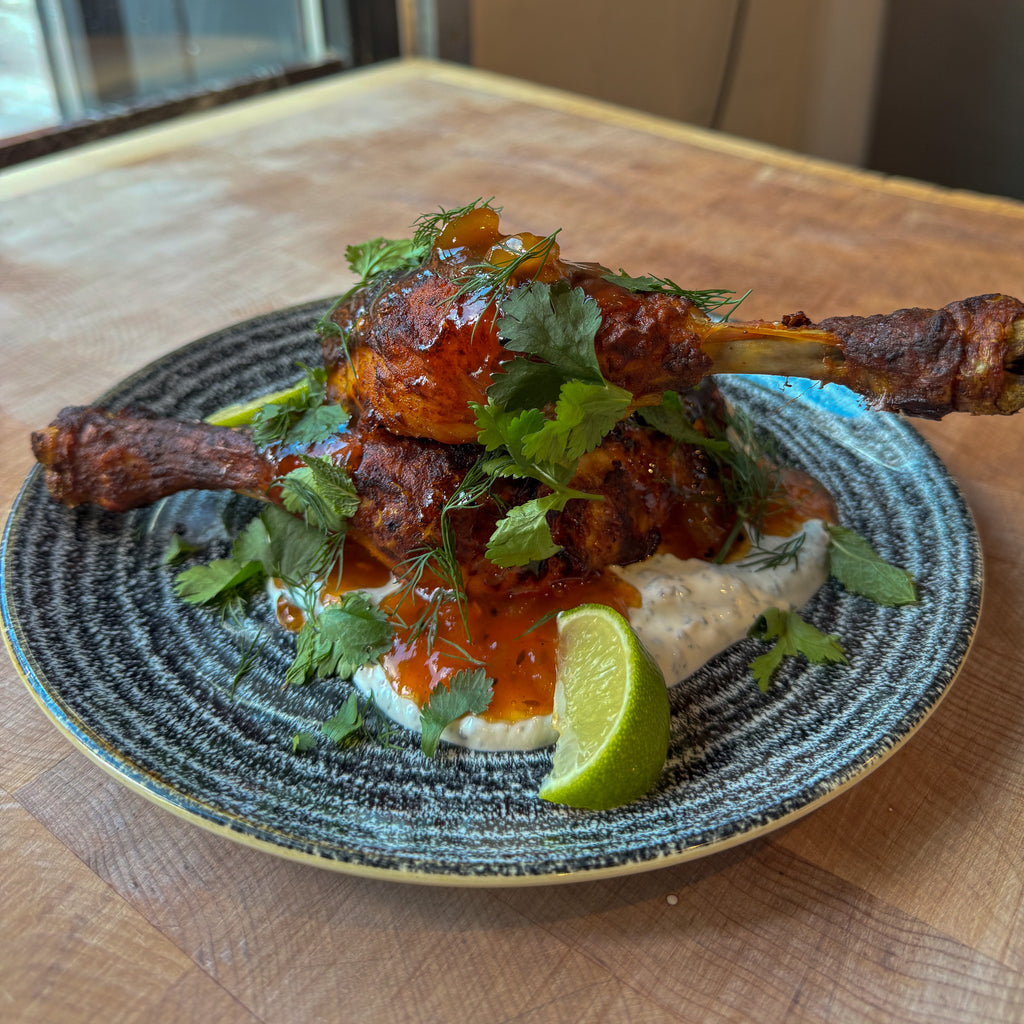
[{"x": 901, "y": 900}]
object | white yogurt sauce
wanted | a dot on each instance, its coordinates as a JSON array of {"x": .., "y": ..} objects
[{"x": 690, "y": 611}]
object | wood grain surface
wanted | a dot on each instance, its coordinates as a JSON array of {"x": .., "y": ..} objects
[{"x": 901, "y": 900}]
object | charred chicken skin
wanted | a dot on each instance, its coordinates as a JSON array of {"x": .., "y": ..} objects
[{"x": 413, "y": 349}]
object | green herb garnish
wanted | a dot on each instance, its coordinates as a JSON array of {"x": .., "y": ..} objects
[
  {"x": 338, "y": 639},
  {"x": 555, "y": 327},
  {"x": 429, "y": 225},
  {"x": 373, "y": 261},
  {"x": 671, "y": 418},
  {"x": 469, "y": 691},
  {"x": 750, "y": 476},
  {"x": 303, "y": 742},
  {"x": 762, "y": 559},
  {"x": 178, "y": 549},
  {"x": 355, "y": 719},
  {"x": 488, "y": 280},
  {"x": 273, "y": 544},
  {"x": 301, "y": 418},
  {"x": 223, "y": 582},
  {"x": 708, "y": 300},
  {"x": 322, "y": 493},
  {"x": 793, "y": 636},
  {"x": 856, "y": 565},
  {"x": 346, "y": 723},
  {"x": 285, "y": 547},
  {"x": 250, "y": 653}
]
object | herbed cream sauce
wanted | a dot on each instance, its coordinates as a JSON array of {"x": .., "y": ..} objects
[{"x": 689, "y": 611}]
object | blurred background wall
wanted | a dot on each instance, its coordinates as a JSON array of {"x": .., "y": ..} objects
[
  {"x": 797, "y": 73},
  {"x": 923, "y": 88}
]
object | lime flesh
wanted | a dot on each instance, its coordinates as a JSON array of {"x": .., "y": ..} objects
[{"x": 611, "y": 712}]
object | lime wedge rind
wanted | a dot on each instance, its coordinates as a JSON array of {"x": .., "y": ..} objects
[{"x": 614, "y": 737}]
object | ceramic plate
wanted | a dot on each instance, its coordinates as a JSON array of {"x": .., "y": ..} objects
[{"x": 143, "y": 683}]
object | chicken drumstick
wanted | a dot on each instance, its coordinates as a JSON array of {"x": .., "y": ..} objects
[{"x": 415, "y": 352}]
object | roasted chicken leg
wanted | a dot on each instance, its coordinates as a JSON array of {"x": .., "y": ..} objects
[
  {"x": 412, "y": 352},
  {"x": 653, "y": 490}
]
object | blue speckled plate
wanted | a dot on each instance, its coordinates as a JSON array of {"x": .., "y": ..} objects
[{"x": 143, "y": 684}]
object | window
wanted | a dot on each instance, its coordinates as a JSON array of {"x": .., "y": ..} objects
[{"x": 70, "y": 68}]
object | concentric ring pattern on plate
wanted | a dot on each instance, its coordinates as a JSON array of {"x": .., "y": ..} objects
[{"x": 144, "y": 683}]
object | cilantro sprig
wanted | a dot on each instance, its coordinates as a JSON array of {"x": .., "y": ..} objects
[
  {"x": 793, "y": 636},
  {"x": 356, "y": 719},
  {"x": 273, "y": 544},
  {"x": 296, "y": 545},
  {"x": 469, "y": 691},
  {"x": 554, "y": 326},
  {"x": 303, "y": 418},
  {"x": 322, "y": 493},
  {"x": 338, "y": 639}
]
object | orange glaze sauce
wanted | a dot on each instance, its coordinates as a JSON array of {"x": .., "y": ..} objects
[
  {"x": 476, "y": 235},
  {"x": 504, "y": 636},
  {"x": 802, "y": 498},
  {"x": 504, "y": 639}
]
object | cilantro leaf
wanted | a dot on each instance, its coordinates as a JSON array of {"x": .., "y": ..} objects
[
  {"x": 584, "y": 414},
  {"x": 316, "y": 424},
  {"x": 303, "y": 741},
  {"x": 524, "y": 535},
  {"x": 381, "y": 255},
  {"x": 469, "y": 691},
  {"x": 793, "y": 636},
  {"x": 339, "y": 640},
  {"x": 302, "y": 418},
  {"x": 556, "y": 323},
  {"x": 322, "y": 493},
  {"x": 500, "y": 428},
  {"x": 346, "y": 722},
  {"x": 856, "y": 565},
  {"x": 284, "y": 545},
  {"x": 556, "y": 326},
  {"x": 275, "y": 543},
  {"x": 218, "y": 582},
  {"x": 524, "y": 383}
]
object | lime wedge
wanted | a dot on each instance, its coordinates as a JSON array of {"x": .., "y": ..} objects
[
  {"x": 611, "y": 713},
  {"x": 242, "y": 413}
]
